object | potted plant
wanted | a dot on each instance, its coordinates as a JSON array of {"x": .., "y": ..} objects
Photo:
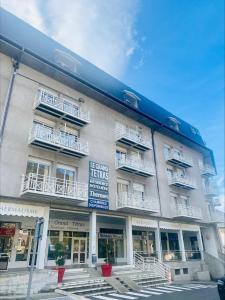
[
  {"x": 60, "y": 258},
  {"x": 109, "y": 260}
]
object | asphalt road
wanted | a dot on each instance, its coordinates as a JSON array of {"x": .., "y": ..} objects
[{"x": 168, "y": 292}]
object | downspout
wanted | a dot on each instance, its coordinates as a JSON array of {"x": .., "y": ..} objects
[
  {"x": 156, "y": 169},
  {"x": 15, "y": 65}
]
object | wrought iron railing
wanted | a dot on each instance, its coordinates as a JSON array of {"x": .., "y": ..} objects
[{"x": 52, "y": 186}]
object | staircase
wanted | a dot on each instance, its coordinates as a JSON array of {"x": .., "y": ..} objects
[
  {"x": 146, "y": 272},
  {"x": 152, "y": 266}
]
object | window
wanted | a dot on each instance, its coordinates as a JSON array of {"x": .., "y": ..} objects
[
  {"x": 173, "y": 123},
  {"x": 130, "y": 98},
  {"x": 185, "y": 270},
  {"x": 177, "y": 271},
  {"x": 65, "y": 178},
  {"x": 38, "y": 168},
  {"x": 167, "y": 150},
  {"x": 138, "y": 191},
  {"x": 53, "y": 239},
  {"x": 121, "y": 154},
  {"x": 122, "y": 189}
]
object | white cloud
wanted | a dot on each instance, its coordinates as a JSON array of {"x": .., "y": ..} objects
[
  {"x": 103, "y": 32},
  {"x": 27, "y": 10}
]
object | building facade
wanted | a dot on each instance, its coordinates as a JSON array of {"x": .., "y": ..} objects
[{"x": 102, "y": 172}]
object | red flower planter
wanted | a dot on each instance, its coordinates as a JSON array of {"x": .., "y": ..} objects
[
  {"x": 61, "y": 271},
  {"x": 106, "y": 270}
]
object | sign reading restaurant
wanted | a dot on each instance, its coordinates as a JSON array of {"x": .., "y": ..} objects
[{"x": 98, "y": 189}]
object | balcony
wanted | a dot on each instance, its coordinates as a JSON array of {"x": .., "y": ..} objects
[
  {"x": 135, "y": 166},
  {"x": 213, "y": 201},
  {"x": 133, "y": 138},
  {"x": 59, "y": 141},
  {"x": 193, "y": 255},
  {"x": 47, "y": 188},
  {"x": 208, "y": 170},
  {"x": 171, "y": 255},
  {"x": 130, "y": 202},
  {"x": 182, "y": 182},
  {"x": 217, "y": 216},
  {"x": 178, "y": 159},
  {"x": 211, "y": 190},
  {"x": 61, "y": 108},
  {"x": 188, "y": 212}
]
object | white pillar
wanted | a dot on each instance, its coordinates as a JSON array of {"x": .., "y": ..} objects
[
  {"x": 181, "y": 244},
  {"x": 129, "y": 240},
  {"x": 42, "y": 246},
  {"x": 200, "y": 244},
  {"x": 92, "y": 238},
  {"x": 158, "y": 243}
]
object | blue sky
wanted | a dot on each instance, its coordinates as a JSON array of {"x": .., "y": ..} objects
[{"x": 171, "y": 51}]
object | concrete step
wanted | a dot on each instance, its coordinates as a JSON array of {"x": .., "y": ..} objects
[
  {"x": 89, "y": 290},
  {"x": 80, "y": 286},
  {"x": 89, "y": 281}
]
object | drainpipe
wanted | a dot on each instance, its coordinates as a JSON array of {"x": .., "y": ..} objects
[
  {"x": 156, "y": 169},
  {"x": 15, "y": 65}
]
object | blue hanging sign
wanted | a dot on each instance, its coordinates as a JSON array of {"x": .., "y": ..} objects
[{"x": 98, "y": 187}]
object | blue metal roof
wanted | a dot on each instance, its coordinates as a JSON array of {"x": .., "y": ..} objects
[{"x": 21, "y": 41}]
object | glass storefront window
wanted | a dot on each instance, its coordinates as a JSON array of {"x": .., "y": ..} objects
[
  {"x": 144, "y": 242},
  {"x": 7, "y": 232},
  {"x": 170, "y": 246},
  {"x": 67, "y": 242},
  {"x": 53, "y": 239},
  {"x": 23, "y": 244}
]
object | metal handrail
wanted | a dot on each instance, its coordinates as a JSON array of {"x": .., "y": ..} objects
[
  {"x": 136, "y": 201},
  {"x": 189, "y": 211},
  {"x": 153, "y": 265},
  {"x": 59, "y": 138},
  {"x": 182, "y": 180},
  {"x": 131, "y": 134},
  {"x": 54, "y": 186},
  {"x": 138, "y": 164},
  {"x": 182, "y": 158},
  {"x": 63, "y": 105}
]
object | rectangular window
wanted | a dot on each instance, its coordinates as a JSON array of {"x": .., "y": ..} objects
[
  {"x": 177, "y": 271},
  {"x": 138, "y": 191},
  {"x": 37, "y": 168},
  {"x": 185, "y": 270}
]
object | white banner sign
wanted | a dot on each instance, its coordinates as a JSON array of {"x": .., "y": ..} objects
[
  {"x": 144, "y": 223},
  {"x": 177, "y": 226},
  {"x": 14, "y": 209}
]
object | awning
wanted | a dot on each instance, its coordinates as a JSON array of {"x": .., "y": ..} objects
[
  {"x": 22, "y": 210},
  {"x": 178, "y": 226},
  {"x": 141, "y": 222}
]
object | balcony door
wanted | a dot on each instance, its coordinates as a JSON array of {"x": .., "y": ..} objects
[
  {"x": 38, "y": 172},
  {"x": 65, "y": 180},
  {"x": 138, "y": 192},
  {"x": 122, "y": 190}
]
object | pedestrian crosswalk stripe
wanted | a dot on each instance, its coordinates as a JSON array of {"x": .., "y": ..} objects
[
  {"x": 181, "y": 287},
  {"x": 123, "y": 296},
  {"x": 138, "y": 294},
  {"x": 197, "y": 286},
  {"x": 159, "y": 290},
  {"x": 170, "y": 289},
  {"x": 103, "y": 297},
  {"x": 151, "y": 292}
]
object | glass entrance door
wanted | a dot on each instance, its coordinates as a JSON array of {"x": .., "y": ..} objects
[{"x": 79, "y": 250}]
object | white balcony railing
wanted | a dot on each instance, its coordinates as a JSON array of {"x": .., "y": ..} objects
[
  {"x": 217, "y": 216},
  {"x": 188, "y": 211},
  {"x": 132, "y": 137},
  {"x": 137, "y": 166},
  {"x": 60, "y": 107},
  {"x": 42, "y": 135},
  {"x": 179, "y": 159},
  {"x": 133, "y": 201},
  {"x": 211, "y": 190},
  {"x": 51, "y": 186},
  {"x": 184, "y": 182},
  {"x": 208, "y": 170}
]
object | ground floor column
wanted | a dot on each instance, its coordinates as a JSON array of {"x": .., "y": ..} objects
[
  {"x": 92, "y": 240},
  {"x": 158, "y": 243},
  {"x": 200, "y": 244},
  {"x": 181, "y": 244},
  {"x": 42, "y": 245},
  {"x": 129, "y": 240}
]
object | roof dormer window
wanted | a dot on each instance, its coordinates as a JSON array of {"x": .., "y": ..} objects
[
  {"x": 174, "y": 123},
  {"x": 66, "y": 61},
  {"x": 130, "y": 98}
]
